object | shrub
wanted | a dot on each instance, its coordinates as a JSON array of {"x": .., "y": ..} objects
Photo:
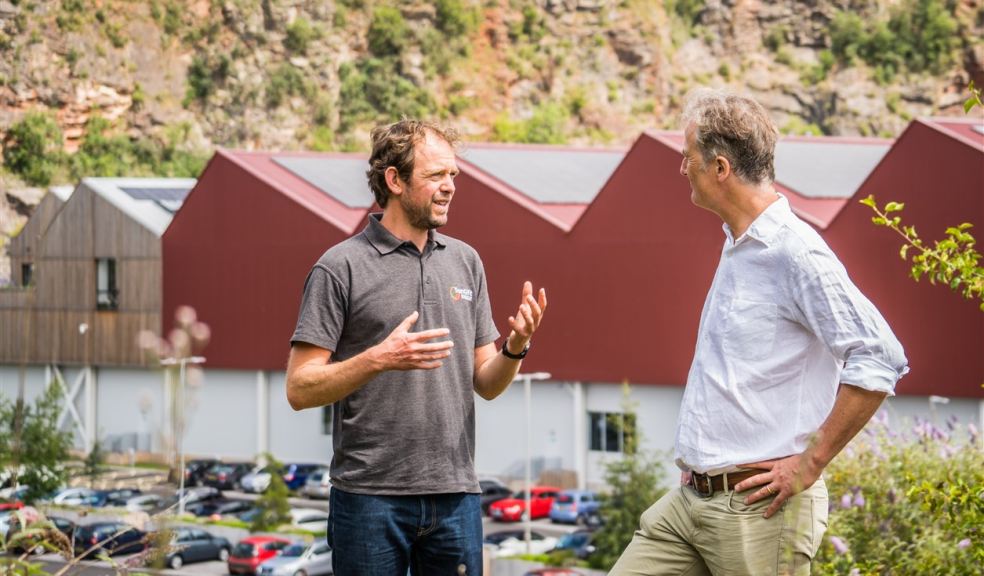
[
  {"x": 299, "y": 36},
  {"x": 388, "y": 32},
  {"x": 547, "y": 125},
  {"x": 285, "y": 81},
  {"x": 203, "y": 75},
  {"x": 273, "y": 506},
  {"x": 907, "y": 502},
  {"x": 453, "y": 18},
  {"x": 32, "y": 149}
]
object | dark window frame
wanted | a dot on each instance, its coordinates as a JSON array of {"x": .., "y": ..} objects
[
  {"x": 611, "y": 431},
  {"x": 108, "y": 295}
]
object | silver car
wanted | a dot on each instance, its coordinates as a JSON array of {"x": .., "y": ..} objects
[
  {"x": 299, "y": 560},
  {"x": 318, "y": 484}
]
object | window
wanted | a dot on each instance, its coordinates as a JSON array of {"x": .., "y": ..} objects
[
  {"x": 326, "y": 420},
  {"x": 107, "y": 296},
  {"x": 27, "y": 274},
  {"x": 612, "y": 431}
]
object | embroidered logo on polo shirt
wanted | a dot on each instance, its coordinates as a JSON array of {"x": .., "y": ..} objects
[{"x": 461, "y": 294}]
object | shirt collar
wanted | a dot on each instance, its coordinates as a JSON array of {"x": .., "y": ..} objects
[
  {"x": 767, "y": 224},
  {"x": 385, "y": 242}
]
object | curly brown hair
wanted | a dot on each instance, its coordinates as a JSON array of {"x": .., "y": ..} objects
[
  {"x": 735, "y": 127},
  {"x": 393, "y": 145}
]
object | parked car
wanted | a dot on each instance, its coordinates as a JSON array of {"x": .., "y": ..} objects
[
  {"x": 111, "y": 537},
  {"x": 577, "y": 543},
  {"x": 574, "y": 506},
  {"x": 514, "y": 509},
  {"x": 318, "y": 484},
  {"x": 199, "y": 494},
  {"x": 309, "y": 519},
  {"x": 118, "y": 497},
  {"x": 302, "y": 559},
  {"x": 492, "y": 491},
  {"x": 250, "y": 552},
  {"x": 72, "y": 496},
  {"x": 33, "y": 519},
  {"x": 195, "y": 470},
  {"x": 218, "y": 507},
  {"x": 256, "y": 481},
  {"x": 196, "y": 545},
  {"x": 226, "y": 476},
  {"x": 150, "y": 503},
  {"x": 513, "y": 542},
  {"x": 295, "y": 475},
  {"x": 11, "y": 504},
  {"x": 553, "y": 571}
]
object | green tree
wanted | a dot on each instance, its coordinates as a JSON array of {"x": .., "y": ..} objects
[
  {"x": 274, "y": 509},
  {"x": 388, "y": 32},
  {"x": 299, "y": 36},
  {"x": 92, "y": 466},
  {"x": 32, "y": 448},
  {"x": 454, "y": 18},
  {"x": 634, "y": 483},
  {"x": 32, "y": 148}
]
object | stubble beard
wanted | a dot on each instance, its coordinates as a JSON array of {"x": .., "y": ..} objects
[{"x": 421, "y": 216}]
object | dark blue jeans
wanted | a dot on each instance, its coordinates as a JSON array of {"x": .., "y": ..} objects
[{"x": 431, "y": 534}]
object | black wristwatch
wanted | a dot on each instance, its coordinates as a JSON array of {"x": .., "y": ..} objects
[{"x": 510, "y": 355}]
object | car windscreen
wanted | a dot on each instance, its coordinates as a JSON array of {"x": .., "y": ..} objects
[
  {"x": 565, "y": 498},
  {"x": 315, "y": 477},
  {"x": 294, "y": 550},
  {"x": 575, "y": 540},
  {"x": 243, "y": 550}
]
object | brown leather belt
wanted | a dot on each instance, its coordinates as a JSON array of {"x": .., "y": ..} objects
[{"x": 706, "y": 485}]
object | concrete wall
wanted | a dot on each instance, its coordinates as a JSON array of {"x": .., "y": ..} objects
[{"x": 295, "y": 436}]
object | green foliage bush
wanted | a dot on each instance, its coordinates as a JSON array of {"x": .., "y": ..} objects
[
  {"x": 204, "y": 73},
  {"x": 285, "y": 81},
  {"x": 918, "y": 36},
  {"x": 273, "y": 506},
  {"x": 906, "y": 502},
  {"x": 547, "y": 125},
  {"x": 35, "y": 456},
  {"x": 454, "y": 18},
  {"x": 388, "y": 32},
  {"x": 373, "y": 90},
  {"x": 300, "y": 33},
  {"x": 32, "y": 148}
]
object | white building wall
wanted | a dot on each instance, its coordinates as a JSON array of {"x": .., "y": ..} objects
[
  {"x": 130, "y": 410},
  {"x": 221, "y": 415},
  {"x": 295, "y": 436}
]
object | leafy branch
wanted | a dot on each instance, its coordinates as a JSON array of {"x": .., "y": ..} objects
[
  {"x": 952, "y": 261},
  {"x": 974, "y": 100}
]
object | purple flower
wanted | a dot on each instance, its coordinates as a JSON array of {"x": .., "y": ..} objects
[
  {"x": 854, "y": 572},
  {"x": 846, "y": 501},
  {"x": 972, "y": 430},
  {"x": 839, "y": 545},
  {"x": 965, "y": 543},
  {"x": 859, "y": 499},
  {"x": 892, "y": 497}
]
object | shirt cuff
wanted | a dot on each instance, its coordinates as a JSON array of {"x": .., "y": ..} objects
[{"x": 872, "y": 374}]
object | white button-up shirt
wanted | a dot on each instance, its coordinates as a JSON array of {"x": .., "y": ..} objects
[{"x": 782, "y": 327}]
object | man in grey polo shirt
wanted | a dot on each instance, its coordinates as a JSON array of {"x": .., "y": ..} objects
[{"x": 395, "y": 331}]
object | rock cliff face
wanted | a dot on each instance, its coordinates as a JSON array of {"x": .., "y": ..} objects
[{"x": 288, "y": 74}]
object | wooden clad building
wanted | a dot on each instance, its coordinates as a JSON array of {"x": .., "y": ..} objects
[{"x": 88, "y": 274}]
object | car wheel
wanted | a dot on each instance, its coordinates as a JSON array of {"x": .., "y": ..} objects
[
  {"x": 300, "y": 573},
  {"x": 223, "y": 554},
  {"x": 176, "y": 562}
]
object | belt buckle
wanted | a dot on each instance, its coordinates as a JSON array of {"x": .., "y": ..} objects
[{"x": 696, "y": 479}]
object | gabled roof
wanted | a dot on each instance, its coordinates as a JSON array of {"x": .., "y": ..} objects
[
  {"x": 818, "y": 174},
  {"x": 151, "y": 202},
  {"x": 969, "y": 130},
  {"x": 63, "y": 193}
]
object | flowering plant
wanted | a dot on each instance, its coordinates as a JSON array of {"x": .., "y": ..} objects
[{"x": 906, "y": 502}]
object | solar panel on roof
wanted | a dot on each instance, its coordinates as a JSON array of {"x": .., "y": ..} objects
[
  {"x": 156, "y": 194},
  {"x": 548, "y": 176},
  {"x": 171, "y": 206},
  {"x": 343, "y": 179}
]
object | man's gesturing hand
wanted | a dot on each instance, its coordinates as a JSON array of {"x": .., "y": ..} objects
[
  {"x": 405, "y": 350},
  {"x": 527, "y": 318}
]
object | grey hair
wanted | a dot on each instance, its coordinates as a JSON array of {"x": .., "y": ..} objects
[{"x": 735, "y": 127}]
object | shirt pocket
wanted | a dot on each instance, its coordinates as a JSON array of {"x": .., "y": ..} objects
[{"x": 750, "y": 334}]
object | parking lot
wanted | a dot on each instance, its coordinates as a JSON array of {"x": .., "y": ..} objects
[{"x": 53, "y": 562}]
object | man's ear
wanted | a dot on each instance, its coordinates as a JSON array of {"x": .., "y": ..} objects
[
  {"x": 393, "y": 181},
  {"x": 723, "y": 167}
]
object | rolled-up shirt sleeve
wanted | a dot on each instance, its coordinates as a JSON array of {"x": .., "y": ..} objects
[{"x": 847, "y": 322}]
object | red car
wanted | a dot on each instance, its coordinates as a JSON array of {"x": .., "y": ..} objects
[
  {"x": 253, "y": 551},
  {"x": 513, "y": 509}
]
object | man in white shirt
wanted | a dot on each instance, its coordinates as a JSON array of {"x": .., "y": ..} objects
[{"x": 791, "y": 362}]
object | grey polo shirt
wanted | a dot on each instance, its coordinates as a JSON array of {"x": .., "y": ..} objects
[{"x": 404, "y": 432}]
